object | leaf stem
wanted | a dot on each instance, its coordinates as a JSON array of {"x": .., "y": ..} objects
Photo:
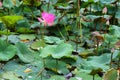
[
  {"x": 61, "y": 33},
  {"x": 93, "y": 77},
  {"x": 111, "y": 59},
  {"x": 56, "y": 65},
  {"x": 40, "y": 72}
]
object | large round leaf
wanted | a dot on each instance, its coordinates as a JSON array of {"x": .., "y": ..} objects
[
  {"x": 24, "y": 53},
  {"x": 59, "y": 66},
  {"x": 107, "y": 1},
  {"x": 27, "y": 36},
  {"x": 85, "y": 76},
  {"x": 51, "y": 39},
  {"x": 57, "y": 51},
  {"x": 7, "y": 51},
  {"x": 56, "y": 77},
  {"x": 38, "y": 45},
  {"x": 8, "y": 4},
  {"x": 9, "y": 76},
  {"x": 95, "y": 62}
]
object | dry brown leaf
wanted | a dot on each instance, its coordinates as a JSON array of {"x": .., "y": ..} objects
[
  {"x": 117, "y": 44},
  {"x": 25, "y": 40},
  {"x": 27, "y": 70}
]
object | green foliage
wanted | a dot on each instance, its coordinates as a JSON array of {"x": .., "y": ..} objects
[
  {"x": 56, "y": 77},
  {"x": 27, "y": 37},
  {"x": 7, "y": 51},
  {"x": 82, "y": 40},
  {"x": 8, "y": 4},
  {"x": 59, "y": 66},
  {"x": 31, "y": 2},
  {"x": 57, "y": 51},
  {"x": 107, "y": 1},
  {"x": 10, "y": 21},
  {"x": 83, "y": 75},
  {"x": 9, "y": 75},
  {"x": 11, "y": 3},
  {"x": 115, "y": 31},
  {"x": 52, "y": 40},
  {"x": 24, "y": 53},
  {"x": 38, "y": 45},
  {"x": 96, "y": 62}
]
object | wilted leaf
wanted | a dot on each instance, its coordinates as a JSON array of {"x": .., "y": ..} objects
[
  {"x": 25, "y": 41},
  {"x": 95, "y": 71},
  {"x": 32, "y": 2},
  {"x": 27, "y": 70},
  {"x": 117, "y": 44},
  {"x": 111, "y": 74}
]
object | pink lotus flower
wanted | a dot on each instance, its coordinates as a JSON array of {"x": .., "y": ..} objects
[
  {"x": 0, "y": 4},
  {"x": 107, "y": 22},
  {"x": 47, "y": 19},
  {"x": 104, "y": 11}
]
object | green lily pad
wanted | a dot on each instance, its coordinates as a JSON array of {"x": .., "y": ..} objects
[
  {"x": 24, "y": 53},
  {"x": 27, "y": 36},
  {"x": 9, "y": 76},
  {"x": 96, "y": 62},
  {"x": 38, "y": 45},
  {"x": 107, "y": 1},
  {"x": 59, "y": 66},
  {"x": 52, "y": 39},
  {"x": 7, "y": 51},
  {"x": 115, "y": 30},
  {"x": 85, "y": 76},
  {"x": 56, "y": 77},
  {"x": 8, "y": 4},
  {"x": 13, "y": 39},
  {"x": 57, "y": 51},
  {"x": 101, "y": 60}
]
